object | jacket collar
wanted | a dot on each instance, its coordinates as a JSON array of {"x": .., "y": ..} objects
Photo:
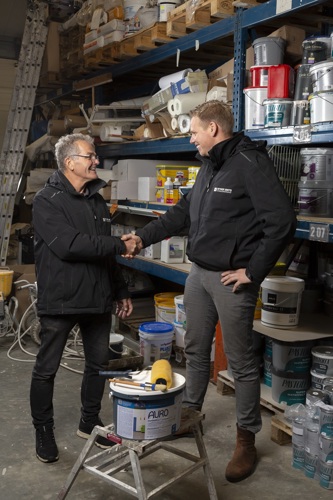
[{"x": 60, "y": 181}]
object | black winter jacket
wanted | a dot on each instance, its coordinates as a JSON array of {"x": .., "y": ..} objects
[
  {"x": 238, "y": 214},
  {"x": 74, "y": 250}
]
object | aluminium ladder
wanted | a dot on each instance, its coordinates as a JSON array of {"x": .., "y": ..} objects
[{"x": 20, "y": 114}]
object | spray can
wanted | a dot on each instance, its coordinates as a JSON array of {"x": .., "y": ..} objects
[{"x": 168, "y": 191}]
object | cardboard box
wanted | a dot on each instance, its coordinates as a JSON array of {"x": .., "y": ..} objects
[
  {"x": 51, "y": 57},
  {"x": 153, "y": 251},
  {"x": 124, "y": 190},
  {"x": 106, "y": 192},
  {"x": 228, "y": 67},
  {"x": 132, "y": 169},
  {"x": 294, "y": 37},
  {"x": 157, "y": 102},
  {"x": 147, "y": 188}
]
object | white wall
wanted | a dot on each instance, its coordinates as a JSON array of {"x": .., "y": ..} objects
[{"x": 8, "y": 73}]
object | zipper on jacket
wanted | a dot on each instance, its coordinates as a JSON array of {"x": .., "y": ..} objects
[{"x": 209, "y": 182}]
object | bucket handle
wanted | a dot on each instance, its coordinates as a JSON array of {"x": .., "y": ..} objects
[
  {"x": 318, "y": 95},
  {"x": 256, "y": 102},
  {"x": 275, "y": 305},
  {"x": 116, "y": 352},
  {"x": 328, "y": 70},
  {"x": 306, "y": 202}
]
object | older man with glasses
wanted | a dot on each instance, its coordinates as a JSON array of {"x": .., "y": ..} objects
[{"x": 78, "y": 280}]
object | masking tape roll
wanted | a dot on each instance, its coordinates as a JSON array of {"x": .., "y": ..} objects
[
  {"x": 174, "y": 123},
  {"x": 184, "y": 123},
  {"x": 171, "y": 107}
]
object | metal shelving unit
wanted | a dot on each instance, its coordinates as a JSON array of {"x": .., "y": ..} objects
[{"x": 177, "y": 273}]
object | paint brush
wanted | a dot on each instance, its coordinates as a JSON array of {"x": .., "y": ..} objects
[{"x": 147, "y": 386}]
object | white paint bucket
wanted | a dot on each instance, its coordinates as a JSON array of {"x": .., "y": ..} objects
[
  {"x": 277, "y": 112},
  {"x": 281, "y": 300},
  {"x": 326, "y": 474},
  {"x": 165, "y": 310},
  {"x": 155, "y": 341},
  {"x": 321, "y": 107},
  {"x": 316, "y": 164},
  {"x": 311, "y": 437},
  {"x": 142, "y": 415},
  {"x": 326, "y": 447},
  {"x": 317, "y": 380},
  {"x": 310, "y": 465},
  {"x": 179, "y": 334},
  {"x": 254, "y": 107},
  {"x": 315, "y": 198},
  {"x": 322, "y": 360},
  {"x": 165, "y": 7},
  {"x": 180, "y": 309},
  {"x": 322, "y": 76},
  {"x": 298, "y": 456},
  {"x": 268, "y": 370},
  {"x": 291, "y": 357},
  {"x": 289, "y": 388},
  {"x": 268, "y": 50}
]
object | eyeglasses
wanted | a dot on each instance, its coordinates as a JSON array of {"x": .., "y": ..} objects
[{"x": 91, "y": 156}]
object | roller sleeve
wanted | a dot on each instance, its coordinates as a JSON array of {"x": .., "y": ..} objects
[{"x": 161, "y": 373}]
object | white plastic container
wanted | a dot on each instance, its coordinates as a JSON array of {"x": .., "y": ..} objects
[
  {"x": 281, "y": 301},
  {"x": 172, "y": 250},
  {"x": 268, "y": 50},
  {"x": 180, "y": 310},
  {"x": 321, "y": 106},
  {"x": 254, "y": 107},
  {"x": 179, "y": 334},
  {"x": 165, "y": 7},
  {"x": 155, "y": 341}
]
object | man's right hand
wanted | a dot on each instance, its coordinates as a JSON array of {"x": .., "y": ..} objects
[{"x": 133, "y": 245}]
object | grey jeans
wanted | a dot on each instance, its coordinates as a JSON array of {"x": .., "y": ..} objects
[{"x": 206, "y": 301}]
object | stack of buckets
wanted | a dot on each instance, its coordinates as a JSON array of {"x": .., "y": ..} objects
[
  {"x": 268, "y": 101},
  {"x": 313, "y": 430},
  {"x": 316, "y": 183},
  {"x": 157, "y": 337}
]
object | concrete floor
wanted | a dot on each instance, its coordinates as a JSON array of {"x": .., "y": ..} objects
[{"x": 24, "y": 476}]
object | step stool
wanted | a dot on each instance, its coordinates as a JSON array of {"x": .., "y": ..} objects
[{"x": 129, "y": 453}]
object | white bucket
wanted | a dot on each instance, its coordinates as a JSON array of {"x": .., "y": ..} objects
[
  {"x": 281, "y": 300},
  {"x": 155, "y": 341},
  {"x": 289, "y": 388},
  {"x": 291, "y": 357},
  {"x": 317, "y": 380},
  {"x": 277, "y": 112},
  {"x": 268, "y": 50},
  {"x": 165, "y": 7},
  {"x": 315, "y": 198},
  {"x": 131, "y": 7},
  {"x": 322, "y": 360},
  {"x": 322, "y": 76},
  {"x": 316, "y": 164},
  {"x": 179, "y": 334},
  {"x": 180, "y": 309},
  {"x": 321, "y": 107},
  {"x": 254, "y": 107},
  {"x": 147, "y": 415},
  {"x": 326, "y": 475}
]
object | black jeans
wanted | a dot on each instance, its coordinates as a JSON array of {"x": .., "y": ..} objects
[{"x": 95, "y": 331}]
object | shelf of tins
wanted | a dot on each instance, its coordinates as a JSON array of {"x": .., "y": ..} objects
[{"x": 309, "y": 228}]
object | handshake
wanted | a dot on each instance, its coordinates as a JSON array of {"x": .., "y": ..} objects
[{"x": 133, "y": 245}]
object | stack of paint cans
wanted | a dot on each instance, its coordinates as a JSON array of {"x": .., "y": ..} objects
[
  {"x": 268, "y": 362},
  {"x": 316, "y": 182}
]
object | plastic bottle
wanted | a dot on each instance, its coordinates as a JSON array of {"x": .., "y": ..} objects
[
  {"x": 168, "y": 191},
  {"x": 176, "y": 186}
]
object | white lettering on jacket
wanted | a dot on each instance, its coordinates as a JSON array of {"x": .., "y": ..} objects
[{"x": 222, "y": 190}]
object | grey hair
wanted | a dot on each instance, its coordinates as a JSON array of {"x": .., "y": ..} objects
[{"x": 67, "y": 146}]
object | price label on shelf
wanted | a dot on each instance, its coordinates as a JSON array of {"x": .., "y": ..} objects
[{"x": 319, "y": 232}]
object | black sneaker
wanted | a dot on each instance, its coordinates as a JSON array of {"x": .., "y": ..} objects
[
  {"x": 46, "y": 446},
  {"x": 86, "y": 428}
]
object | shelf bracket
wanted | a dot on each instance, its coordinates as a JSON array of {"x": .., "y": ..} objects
[{"x": 240, "y": 38}]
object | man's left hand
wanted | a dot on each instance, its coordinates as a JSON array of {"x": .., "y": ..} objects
[{"x": 124, "y": 308}]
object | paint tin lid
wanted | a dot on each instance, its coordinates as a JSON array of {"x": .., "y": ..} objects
[{"x": 156, "y": 327}]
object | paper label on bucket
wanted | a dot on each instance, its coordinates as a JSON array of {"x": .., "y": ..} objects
[{"x": 148, "y": 420}]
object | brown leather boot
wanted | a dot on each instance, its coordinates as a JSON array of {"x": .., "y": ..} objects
[{"x": 244, "y": 459}]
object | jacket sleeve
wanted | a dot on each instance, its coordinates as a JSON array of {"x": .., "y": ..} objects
[
  {"x": 172, "y": 223},
  {"x": 118, "y": 282},
  {"x": 274, "y": 210},
  {"x": 52, "y": 225}
]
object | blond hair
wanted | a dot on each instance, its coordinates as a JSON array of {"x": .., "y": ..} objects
[{"x": 215, "y": 111}]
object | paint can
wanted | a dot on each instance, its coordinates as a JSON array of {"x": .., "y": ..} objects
[
  {"x": 316, "y": 164},
  {"x": 281, "y": 299},
  {"x": 313, "y": 396},
  {"x": 321, "y": 106},
  {"x": 310, "y": 465},
  {"x": 180, "y": 309},
  {"x": 326, "y": 447},
  {"x": 289, "y": 388},
  {"x": 311, "y": 438},
  {"x": 303, "y": 84},
  {"x": 314, "y": 51},
  {"x": 268, "y": 50},
  {"x": 268, "y": 370},
  {"x": 315, "y": 198},
  {"x": 298, "y": 456},
  {"x": 140, "y": 414},
  {"x": 317, "y": 380},
  {"x": 155, "y": 341},
  {"x": 326, "y": 420},
  {"x": 326, "y": 474},
  {"x": 277, "y": 112},
  {"x": 322, "y": 360},
  {"x": 254, "y": 107},
  {"x": 259, "y": 76},
  {"x": 292, "y": 357},
  {"x": 322, "y": 76},
  {"x": 328, "y": 390},
  {"x": 165, "y": 310},
  {"x": 164, "y": 8},
  {"x": 298, "y": 431},
  {"x": 300, "y": 113},
  {"x": 281, "y": 82}
]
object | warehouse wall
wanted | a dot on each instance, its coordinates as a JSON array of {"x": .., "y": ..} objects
[{"x": 7, "y": 72}]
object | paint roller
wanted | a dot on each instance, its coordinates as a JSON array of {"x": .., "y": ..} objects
[{"x": 161, "y": 373}]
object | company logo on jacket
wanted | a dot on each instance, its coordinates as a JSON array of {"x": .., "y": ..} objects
[{"x": 222, "y": 190}]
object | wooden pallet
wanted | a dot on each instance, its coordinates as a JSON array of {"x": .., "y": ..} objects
[
  {"x": 280, "y": 429},
  {"x": 204, "y": 13}
]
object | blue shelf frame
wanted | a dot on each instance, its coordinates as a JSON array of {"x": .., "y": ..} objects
[{"x": 161, "y": 271}]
